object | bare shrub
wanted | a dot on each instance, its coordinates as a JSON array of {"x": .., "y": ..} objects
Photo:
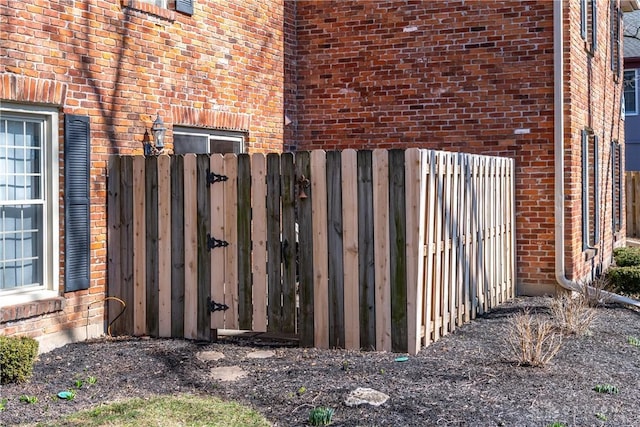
[
  {"x": 594, "y": 292},
  {"x": 573, "y": 314},
  {"x": 532, "y": 340}
]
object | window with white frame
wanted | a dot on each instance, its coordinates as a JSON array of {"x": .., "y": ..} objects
[
  {"x": 630, "y": 87},
  {"x": 206, "y": 141},
  {"x": 28, "y": 202}
]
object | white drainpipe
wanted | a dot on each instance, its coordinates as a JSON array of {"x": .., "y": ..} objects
[{"x": 558, "y": 79}]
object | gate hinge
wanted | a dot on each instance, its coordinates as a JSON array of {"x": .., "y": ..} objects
[
  {"x": 212, "y": 177},
  {"x": 213, "y": 243},
  {"x": 216, "y": 306}
]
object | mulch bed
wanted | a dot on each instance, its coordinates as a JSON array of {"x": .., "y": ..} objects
[{"x": 463, "y": 379}]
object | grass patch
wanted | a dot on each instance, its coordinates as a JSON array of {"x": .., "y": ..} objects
[{"x": 184, "y": 410}]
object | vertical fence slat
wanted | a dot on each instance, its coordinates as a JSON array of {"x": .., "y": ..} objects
[
  {"x": 320, "y": 246},
  {"x": 306, "y": 319},
  {"x": 414, "y": 249},
  {"x": 466, "y": 250},
  {"x": 289, "y": 240},
  {"x": 259, "y": 239},
  {"x": 231, "y": 236},
  {"x": 397, "y": 259},
  {"x": 115, "y": 237},
  {"x": 430, "y": 247},
  {"x": 447, "y": 288},
  {"x": 366, "y": 243},
  {"x": 177, "y": 247},
  {"x": 139, "y": 248},
  {"x": 151, "y": 240},
  {"x": 439, "y": 247},
  {"x": 217, "y": 255},
  {"x": 456, "y": 291},
  {"x": 630, "y": 202},
  {"x": 274, "y": 243},
  {"x": 245, "y": 311},
  {"x": 349, "y": 173},
  {"x": 203, "y": 225},
  {"x": 512, "y": 227},
  {"x": 334, "y": 250},
  {"x": 380, "y": 166},
  {"x": 164, "y": 246},
  {"x": 636, "y": 205},
  {"x": 190, "y": 248}
]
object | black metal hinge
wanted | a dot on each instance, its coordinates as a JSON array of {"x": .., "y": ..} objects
[
  {"x": 212, "y": 177},
  {"x": 213, "y": 243},
  {"x": 216, "y": 306}
]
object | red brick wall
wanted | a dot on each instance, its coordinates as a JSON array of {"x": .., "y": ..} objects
[
  {"x": 595, "y": 102},
  {"x": 473, "y": 76},
  {"x": 221, "y": 67}
]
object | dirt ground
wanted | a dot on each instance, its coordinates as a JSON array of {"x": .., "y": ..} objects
[{"x": 463, "y": 379}]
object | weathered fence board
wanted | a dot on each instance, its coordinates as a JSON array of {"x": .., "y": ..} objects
[
  {"x": 385, "y": 250},
  {"x": 632, "y": 195}
]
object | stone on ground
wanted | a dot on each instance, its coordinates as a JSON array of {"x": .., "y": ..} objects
[
  {"x": 209, "y": 356},
  {"x": 228, "y": 373},
  {"x": 261, "y": 354},
  {"x": 363, "y": 395}
]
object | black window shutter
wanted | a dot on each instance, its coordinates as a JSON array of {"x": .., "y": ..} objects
[
  {"x": 77, "y": 235},
  {"x": 185, "y": 6}
]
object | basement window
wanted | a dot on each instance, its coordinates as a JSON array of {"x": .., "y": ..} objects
[
  {"x": 590, "y": 191},
  {"x": 206, "y": 141},
  {"x": 588, "y": 24}
]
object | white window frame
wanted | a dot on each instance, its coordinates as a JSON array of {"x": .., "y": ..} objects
[
  {"x": 212, "y": 134},
  {"x": 51, "y": 190},
  {"x": 626, "y": 111}
]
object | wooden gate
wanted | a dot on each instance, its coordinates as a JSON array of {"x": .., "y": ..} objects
[{"x": 384, "y": 250}]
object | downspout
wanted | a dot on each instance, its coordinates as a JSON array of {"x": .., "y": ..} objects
[{"x": 558, "y": 118}]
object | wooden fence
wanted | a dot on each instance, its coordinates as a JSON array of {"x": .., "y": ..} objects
[
  {"x": 384, "y": 250},
  {"x": 632, "y": 194}
]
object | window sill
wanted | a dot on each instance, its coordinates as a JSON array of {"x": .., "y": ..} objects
[
  {"x": 151, "y": 9},
  {"x": 590, "y": 253},
  {"x": 19, "y": 309}
]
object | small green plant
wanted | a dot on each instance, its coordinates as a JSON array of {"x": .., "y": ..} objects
[
  {"x": 606, "y": 388},
  {"x": 78, "y": 383},
  {"x": 3, "y": 404},
  {"x": 302, "y": 390},
  {"x": 345, "y": 365},
  {"x": 67, "y": 394},
  {"x": 601, "y": 416},
  {"x": 557, "y": 424},
  {"x": 321, "y": 416},
  {"x": 28, "y": 399},
  {"x": 92, "y": 380},
  {"x": 382, "y": 371},
  {"x": 17, "y": 356},
  {"x": 633, "y": 341}
]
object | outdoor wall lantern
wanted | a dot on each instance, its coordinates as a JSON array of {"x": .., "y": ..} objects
[{"x": 158, "y": 131}]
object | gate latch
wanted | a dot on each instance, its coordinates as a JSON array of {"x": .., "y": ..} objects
[
  {"x": 212, "y": 177},
  {"x": 216, "y": 306},
  {"x": 213, "y": 243}
]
